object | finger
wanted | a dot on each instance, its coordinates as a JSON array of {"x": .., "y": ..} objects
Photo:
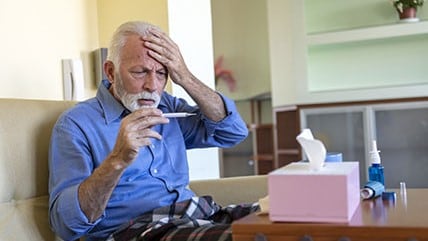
[
  {"x": 161, "y": 43},
  {"x": 161, "y": 38},
  {"x": 136, "y": 140},
  {"x": 132, "y": 118},
  {"x": 146, "y": 134},
  {"x": 150, "y": 121},
  {"x": 143, "y": 112},
  {"x": 156, "y": 32},
  {"x": 144, "y": 123},
  {"x": 161, "y": 52},
  {"x": 139, "y": 122},
  {"x": 163, "y": 58}
]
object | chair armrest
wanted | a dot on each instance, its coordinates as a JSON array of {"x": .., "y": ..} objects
[{"x": 232, "y": 190}]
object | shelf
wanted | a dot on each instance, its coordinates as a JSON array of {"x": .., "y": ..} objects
[
  {"x": 263, "y": 157},
  {"x": 370, "y": 33},
  {"x": 288, "y": 151}
]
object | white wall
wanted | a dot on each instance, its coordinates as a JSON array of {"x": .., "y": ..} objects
[
  {"x": 286, "y": 54},
  {"x": 190, "y": 27},
  {"x": 35, "y": 36}
]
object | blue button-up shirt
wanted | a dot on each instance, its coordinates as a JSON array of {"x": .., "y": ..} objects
[{"x": 85, "y": 135}]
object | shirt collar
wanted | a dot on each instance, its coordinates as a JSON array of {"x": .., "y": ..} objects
[
  {"x": 162, "y": 104},
  {"x": 111, "y": 107}
]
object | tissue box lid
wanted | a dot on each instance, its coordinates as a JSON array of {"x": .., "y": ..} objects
[{"x": 303, "y": 168}]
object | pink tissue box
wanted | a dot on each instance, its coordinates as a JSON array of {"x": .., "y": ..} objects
[{"x": 298, "y": 194}]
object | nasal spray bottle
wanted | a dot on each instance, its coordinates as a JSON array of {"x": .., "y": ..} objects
[
  {"x": 376, "y": 184},
  {"x": 376, "y": 169}
]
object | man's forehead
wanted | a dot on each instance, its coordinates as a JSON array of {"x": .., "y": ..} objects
[
  {"x": 132, "y": 44},
  {"x": 134, "y": 50}
]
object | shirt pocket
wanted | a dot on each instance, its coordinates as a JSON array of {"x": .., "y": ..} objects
[
  {"x": 140, "y": 166},
  {"x": 176, "y": 158}
]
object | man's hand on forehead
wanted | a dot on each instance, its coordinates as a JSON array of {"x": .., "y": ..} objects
[
  {"x": 166, "y": 51},
  {"x": 146, "y": 52}
]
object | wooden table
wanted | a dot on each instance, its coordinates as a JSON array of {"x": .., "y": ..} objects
[{"x": 405, "y": 219}]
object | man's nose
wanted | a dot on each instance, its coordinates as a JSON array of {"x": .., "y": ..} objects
[{"x": 150, "y": 83}]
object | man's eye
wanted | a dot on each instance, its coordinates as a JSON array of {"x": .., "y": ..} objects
[
  {"x": 161, "y": 73},
  {"x": 138, "y": 73}
]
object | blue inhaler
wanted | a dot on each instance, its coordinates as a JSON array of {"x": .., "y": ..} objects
[
  {"x": 376, "y": 169},
  {"x": 372, "y": 189}
]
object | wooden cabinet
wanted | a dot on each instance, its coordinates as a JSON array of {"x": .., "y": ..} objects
[
  {"x": 238, "y": 161},
  {"x": 263, "y": 148},
  {"x": 286, "y": 129},
  {"x": 255, "y": 154}
]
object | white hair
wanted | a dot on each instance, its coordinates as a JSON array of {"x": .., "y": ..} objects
[{"x": 122, "y": 32}]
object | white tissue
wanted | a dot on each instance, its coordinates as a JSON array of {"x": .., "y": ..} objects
[{"x": 313, "y": 148}]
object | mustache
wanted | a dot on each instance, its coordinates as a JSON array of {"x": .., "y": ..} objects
[
  {"x": 130, "y": 101},
  {"x": 147, "y": 95}
]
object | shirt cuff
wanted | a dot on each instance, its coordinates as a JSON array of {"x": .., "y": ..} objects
[
  {"x": 72, "y": 214},
  {"x": 231, "y": 112}
]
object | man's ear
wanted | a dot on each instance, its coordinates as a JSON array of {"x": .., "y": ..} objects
[{"x": 109, "y": 70}]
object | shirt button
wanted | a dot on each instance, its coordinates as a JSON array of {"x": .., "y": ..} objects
[
  {"x": 155, "y": 171},
  {"x": 152, "y": 146}
]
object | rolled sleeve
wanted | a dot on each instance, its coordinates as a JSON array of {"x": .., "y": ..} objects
[
  {"x": 67, "y": 218},
  {"x": 230, "y": 130},
  {"x": 66, "y": 158}
]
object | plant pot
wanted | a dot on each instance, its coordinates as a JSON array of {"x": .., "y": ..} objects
[{"x": 407, "y": 13}]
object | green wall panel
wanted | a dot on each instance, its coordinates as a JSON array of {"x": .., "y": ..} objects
[{"x": 368, "y": 64}]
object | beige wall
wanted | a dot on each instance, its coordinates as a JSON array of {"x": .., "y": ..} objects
[
  {"x": 36, "y": 35},
  {"x": 111, "y": 13},
  {"x": 240, "y": 34}
]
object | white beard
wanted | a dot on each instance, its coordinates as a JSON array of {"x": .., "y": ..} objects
[{"x": 130, "y": 101}]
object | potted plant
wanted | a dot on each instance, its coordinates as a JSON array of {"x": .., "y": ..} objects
[{"x": 407, "y": 8}]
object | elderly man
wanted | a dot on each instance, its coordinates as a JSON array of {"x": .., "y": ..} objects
[{"x": 118, "y": 166}]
